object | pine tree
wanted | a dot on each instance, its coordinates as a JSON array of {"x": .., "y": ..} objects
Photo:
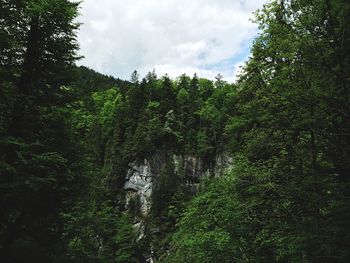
[{"x": 37, "y": 152}]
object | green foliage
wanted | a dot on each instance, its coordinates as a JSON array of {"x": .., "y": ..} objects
[
  {"x": 125, "y": 241},
  {"x": 248, "y": 215},
  {"x": 165, "y": 188},
  {"x": 99, "y": 233},
  {"x": 204, "y": 231},
  {"x": 47, "y": 166},
  {"x": 287, "y": 198},
  {"x": 68, "y": 135}
]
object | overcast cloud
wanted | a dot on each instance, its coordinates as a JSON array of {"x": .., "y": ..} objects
[{"x": 171, "y": 36}]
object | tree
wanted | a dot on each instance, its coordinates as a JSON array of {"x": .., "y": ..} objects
[
  {"x": 287, "y": 198},
  {"x": 37, "y": 152},
  {"x": 135, "y": 77}
]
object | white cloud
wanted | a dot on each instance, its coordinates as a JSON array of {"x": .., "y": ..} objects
[{"x": 171, "y": 36}]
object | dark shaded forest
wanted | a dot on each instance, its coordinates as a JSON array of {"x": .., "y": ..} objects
[{"x": 154, "y": 169}]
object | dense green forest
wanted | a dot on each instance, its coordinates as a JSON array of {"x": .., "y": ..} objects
[{"x": 154, "y": 169}]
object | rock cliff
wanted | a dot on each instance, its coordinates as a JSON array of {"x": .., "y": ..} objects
[{"x": 143, "y": 176}]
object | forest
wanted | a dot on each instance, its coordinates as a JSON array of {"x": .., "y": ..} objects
[{"x": 94, "y": 168}]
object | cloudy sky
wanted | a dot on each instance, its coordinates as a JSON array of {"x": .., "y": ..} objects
[{"x": 206, "y": 37}]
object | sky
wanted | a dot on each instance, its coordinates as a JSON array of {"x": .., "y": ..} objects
[{"x": 206, "y": 37}]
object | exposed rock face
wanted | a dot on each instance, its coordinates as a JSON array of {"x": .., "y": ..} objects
[
  {"x": 222, "y": 163},
  {"x": 142, "y": 177},
  {"x": 139, "y": 184},
  {"x": 194, "y": 169}
]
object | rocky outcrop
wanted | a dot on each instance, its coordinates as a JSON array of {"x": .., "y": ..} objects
[
  {"x": 142, "y": 177},
  {"x": 138, "y": 186},
  {"x": 193, "y": 169}
]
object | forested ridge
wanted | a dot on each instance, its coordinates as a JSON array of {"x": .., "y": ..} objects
[{"x": 154, "y": 169}]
